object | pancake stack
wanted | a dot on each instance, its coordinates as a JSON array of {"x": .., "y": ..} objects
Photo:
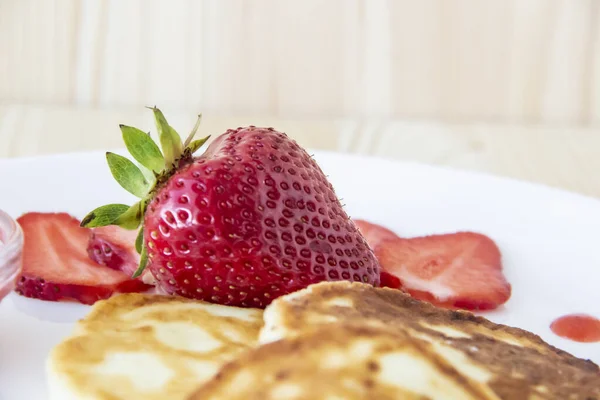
[{"x": 330, "y": 341}]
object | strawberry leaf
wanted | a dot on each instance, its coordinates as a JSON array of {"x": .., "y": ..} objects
[
  {"x": 128, "y": 175},
  {"x": 131, "y": 218},
  {"x": 170, "y": 141},
  {"x": 143, "y": 149},
  {"x": 148, "y": 174},
  {"x": 143, "y": 263},
  {"x": 196, "y": 144},
  {"x": 104, "y": 215},
  {"x": 139, "y": 240}
]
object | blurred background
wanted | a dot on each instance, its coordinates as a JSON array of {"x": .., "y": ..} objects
[{"x": 510, "y": 87}]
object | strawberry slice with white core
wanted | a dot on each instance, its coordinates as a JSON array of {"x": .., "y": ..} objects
[
  {"x": 114, "y": 247},
  {"x": 56, "y": 266},
  {"x": 374, "y": 234},
  {"x": 462, "y": 270}
]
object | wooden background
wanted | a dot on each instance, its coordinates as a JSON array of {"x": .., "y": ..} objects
[
  {"x": 510, "y": 87},
  {"x": 529, "y": 60}
]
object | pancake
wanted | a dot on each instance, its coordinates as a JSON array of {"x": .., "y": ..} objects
[
  {"x": 340, "y": 362},
  {"x": 506, "y": 362},
  {"x": 141, "y": 346}
]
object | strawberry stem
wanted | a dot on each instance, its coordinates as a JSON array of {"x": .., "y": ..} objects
[{"x": 193, "y": 132}]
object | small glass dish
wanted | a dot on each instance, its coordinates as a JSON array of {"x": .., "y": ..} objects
[{"x": 11, "y": 253}]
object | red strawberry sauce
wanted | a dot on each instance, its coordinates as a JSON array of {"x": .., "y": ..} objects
[{"x": 577, "y": 327}]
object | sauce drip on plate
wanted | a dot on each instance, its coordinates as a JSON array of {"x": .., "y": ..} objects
[{"x": 577, "y": 327}]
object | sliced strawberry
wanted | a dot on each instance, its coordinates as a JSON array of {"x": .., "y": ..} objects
[
  {"x": 374, "y": 234},
  {"x": 114, "y": 247},
  {"x": 389, "y": 280},
  {"x": 462, "y": 270},
  {"x": 56, "y": 266}
]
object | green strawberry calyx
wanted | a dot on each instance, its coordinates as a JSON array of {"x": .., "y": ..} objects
[{"x": 155, "y": 166}]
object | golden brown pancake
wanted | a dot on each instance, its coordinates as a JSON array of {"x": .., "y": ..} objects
[
  {"x": 138, "y": 346},
  {"x": 508, "y": 363},
  {"x": 340, "y": 362}
]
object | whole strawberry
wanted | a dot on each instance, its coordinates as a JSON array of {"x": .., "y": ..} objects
[{"x": 251, "y": 219}]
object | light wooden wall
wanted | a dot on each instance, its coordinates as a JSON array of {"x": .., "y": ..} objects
[{"x": 497, "y": 60}]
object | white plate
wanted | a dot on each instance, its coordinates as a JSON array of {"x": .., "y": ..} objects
[{"x": 549, "y": 240}]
